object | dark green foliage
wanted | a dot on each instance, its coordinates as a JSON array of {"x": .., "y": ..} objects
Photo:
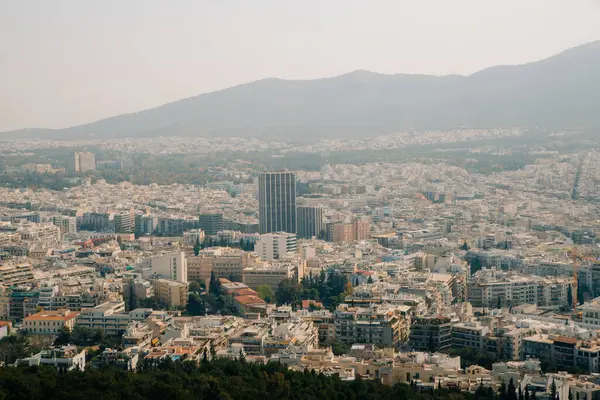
[
  {"x": 13, "y": 347},
  {"x": 213, "y": 286},
  {"x": 197, "y": 246},
  {"x": 81, "y": 336},
  {"x": 216, "y": 379},
  {"x": 326, "y": 288},
  {"x": 473, "y": 357}
]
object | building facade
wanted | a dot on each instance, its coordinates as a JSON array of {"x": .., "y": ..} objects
[
  {"x": 310, "y": 222},
  {"x": 277, "y": 202}
]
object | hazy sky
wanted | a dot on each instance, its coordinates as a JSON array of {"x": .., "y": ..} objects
[{"x": 66, "y": 62}]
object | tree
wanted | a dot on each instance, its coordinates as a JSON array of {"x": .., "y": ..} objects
[
  {"x": 197, "y": 247},
  {"x": 520, "y": 393},
  {"x": 499, "y": 305},
  {"x": 266, "y": 293},
  {"x": 213, "y": 286},
  {"x": 526, "y": 393},
  {"x": 195, "y": 286},
  {"x": 340, "y": 348},
  {"x": 465, "y": 246},
  {"x": 502, "y": 391},
  {"x": 288, "y": 292},
  {"x": 569, "y": 296},
  {"x": 370, "y": 280},
  {"x": 511, "y": 393}
]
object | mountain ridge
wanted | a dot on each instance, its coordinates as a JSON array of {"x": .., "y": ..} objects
[{"x": 559, "y": 91}]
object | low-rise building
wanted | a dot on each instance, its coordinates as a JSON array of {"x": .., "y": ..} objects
[{"x": 49, "y": 322}]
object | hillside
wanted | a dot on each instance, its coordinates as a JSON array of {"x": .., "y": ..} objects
[{"x": 558, "y": 92}]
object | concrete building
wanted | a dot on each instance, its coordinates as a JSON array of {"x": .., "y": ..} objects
[
  {"x": 340, "y": 232},
  {"x": 469, "y": 334},
  {"x": 67, "y": 358},
  {"x": 49, "y": 322},
  {"x": 431, "y": 333},
  {"x": 170, "y": 266},
  {"x": 277, "y": 202},
  {"x": 380, "y": 325},
  {"x": 211, "y": 223},
  {"x": 11, "y": 274},
  {"x": 173, "y": 294},
  {"x": 310, "y": 222},
  {"x": 123, "y": 222},
  {"x": 145, "y": 224},
  {"x": 191, "y": 237},
  {"x": 66, "y": 224},
  {"x": 270, "y": 275},
  {"x": 490, "y": 288},
  {"x": 590, "y": 312},
  {"x": 274, "y": 246},
  {"x": 225, "y": 262},
  {"x": 361, "y": 229},
  {"x": 85, "y": 161},
  {"x": 110, "y": 317}
]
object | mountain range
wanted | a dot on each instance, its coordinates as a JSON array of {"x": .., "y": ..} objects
[{"x": 562, "y": 91}]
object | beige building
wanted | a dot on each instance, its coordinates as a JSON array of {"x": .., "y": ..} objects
[
  {"x": 171, "y": 293},
  {"x": 15, "y": 274},
  {"x": 85, "y": 161},
  {"x": 225, "y": 262},
  {"x": 271, "y": 275},
  {"x": 49, "y": 322}
]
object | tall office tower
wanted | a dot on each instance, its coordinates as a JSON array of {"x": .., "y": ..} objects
[
  {"x": 85, "y": 162},
  {"x": 211, "y": 223},
  {"x": 310, "y": 222},
  {"x": 277, "y": 202}
]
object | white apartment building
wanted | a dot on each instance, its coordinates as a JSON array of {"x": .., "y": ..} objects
[
  {"x": 170, "y": 266},
  {"x": 590, "y": 313},
  {"x": 110, "y": 317},
  {"x": 273, "y": 246},
  {"x": 490, "y": 288}
]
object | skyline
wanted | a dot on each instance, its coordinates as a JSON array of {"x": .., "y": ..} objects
[{"x": 128, "y": 57}]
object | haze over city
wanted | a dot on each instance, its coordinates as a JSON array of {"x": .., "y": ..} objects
[{"x": 66, "y": 62}]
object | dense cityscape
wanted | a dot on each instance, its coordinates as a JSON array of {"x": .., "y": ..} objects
[
  {"x": 306, "y": 200},
  {"x": 419, "y": 272}
]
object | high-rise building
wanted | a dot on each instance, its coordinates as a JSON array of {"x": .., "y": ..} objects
[
  {"x": 277, "y": 202},
  {"x": 145, "y": 224},
  {"x": 211, "y": 223},
  {"x": 310, "y": 221},
  {"x": 123, "y": 222},
  {"x": 85, "y": 161}
]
